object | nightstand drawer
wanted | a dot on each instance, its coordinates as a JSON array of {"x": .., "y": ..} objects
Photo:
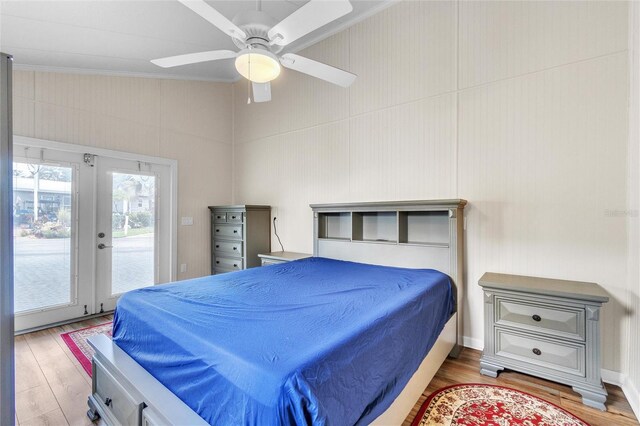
[
  {"x": 546, "y": 353},
  {"x": 228, "y": 231},
  {"x": 228, "y": 263},
  {"x": 551, "y": 319},
  {"x": 234, "y": 248}
]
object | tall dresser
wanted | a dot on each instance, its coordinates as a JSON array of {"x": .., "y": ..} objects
[{"x": 238, "y": 234}]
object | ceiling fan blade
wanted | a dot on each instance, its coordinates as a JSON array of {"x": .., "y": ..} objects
[
  {"x": 215, "y": 17},
  {"x": 261, "y": 92},
  {"x": 317, "y": 69},
  {"x": 193, "y": 58},
  {"x": 309, "y": 17}
]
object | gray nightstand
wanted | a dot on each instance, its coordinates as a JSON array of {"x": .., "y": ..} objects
[
  {"x": 545, "y": 328},
  {"x": 281, "y": 257}
]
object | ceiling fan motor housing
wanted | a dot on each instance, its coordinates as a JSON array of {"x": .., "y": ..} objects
[{"x": 256, "y": 25}]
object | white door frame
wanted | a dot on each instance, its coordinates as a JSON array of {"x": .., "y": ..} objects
[
  {"x": 173, "y": 183},
  {"x": 79, "y": 296}
]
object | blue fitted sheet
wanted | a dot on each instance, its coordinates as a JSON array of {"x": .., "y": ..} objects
[{"x": 314, "y": 341}]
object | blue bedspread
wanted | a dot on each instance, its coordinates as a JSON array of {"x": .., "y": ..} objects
[{"x": 315, "y": 341}]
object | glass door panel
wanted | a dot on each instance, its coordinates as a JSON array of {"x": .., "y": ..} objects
[
  {"x": 44, "y": 236},
  {"x": 133, "y": 200}
]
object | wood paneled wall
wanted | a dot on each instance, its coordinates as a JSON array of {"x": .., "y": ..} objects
[
  {"x": 184, "y": 120},
  {"x": 519, "y": 107}
]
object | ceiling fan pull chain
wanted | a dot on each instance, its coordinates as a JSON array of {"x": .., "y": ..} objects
[{"x": 249, "y": 84}]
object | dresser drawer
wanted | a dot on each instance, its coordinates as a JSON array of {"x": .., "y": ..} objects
[
  {"x": 219, "y": 217},
  {"x": 233, "y": 217},
  {"x": 228, "y": 231},
  {"x": 559, "y": 356},
  {"x": 551, "y": 319},
  {"x": 231, "y": 247},
  {"x": 114, "y": 399},
  {"x": 228, "y": 263}
]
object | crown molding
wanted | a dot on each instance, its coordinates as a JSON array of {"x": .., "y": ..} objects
[{"x": 111, "y": 73}]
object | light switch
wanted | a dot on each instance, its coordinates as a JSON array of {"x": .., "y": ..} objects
[
  {"x": 183, "y": 267},
  {"x": 187, "y": 221}
]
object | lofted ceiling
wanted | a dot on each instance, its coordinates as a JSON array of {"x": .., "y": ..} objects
[{"x": 120, "y": 37}]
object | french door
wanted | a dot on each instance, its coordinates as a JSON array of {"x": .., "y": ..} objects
[
  {"x": 132, "y": 218},
  {"x": 87, "y": 228}
]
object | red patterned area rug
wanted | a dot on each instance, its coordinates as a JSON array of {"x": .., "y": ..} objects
[
  {"x": 77, "y": 342},
  {"x": 488, "y": 405}
]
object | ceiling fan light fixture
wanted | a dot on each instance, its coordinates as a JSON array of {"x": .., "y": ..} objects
[{"x": 258, "y": 66}]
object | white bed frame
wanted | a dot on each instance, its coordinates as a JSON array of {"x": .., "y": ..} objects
[{"x": 412, "y": 234}]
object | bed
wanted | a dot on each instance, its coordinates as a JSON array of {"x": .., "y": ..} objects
[{"x": 323, "y": 340}]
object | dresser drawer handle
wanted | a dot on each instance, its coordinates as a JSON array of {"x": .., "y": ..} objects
[
  {"x": 537, "y": 351},
  {"x": 233, "y": 217},
  {"x": 235, "y": 248},
  {"x": 235, "y": 265},
  {"x": 217, "y": 230},
  {"x": 217, "y": 262},
  {"x": 235, "y": 231},
  {"x": 107, "y": 402},
  {"x": 217, "y": 246},
  {"x": 537, "y": 318}
]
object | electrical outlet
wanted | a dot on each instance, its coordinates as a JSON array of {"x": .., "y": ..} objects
[
  {"x": 187, "y": 221},
  {"x": 183, "y": 267}
]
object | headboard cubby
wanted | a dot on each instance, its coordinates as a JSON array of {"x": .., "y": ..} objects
[{"x": 410, "y": 234}]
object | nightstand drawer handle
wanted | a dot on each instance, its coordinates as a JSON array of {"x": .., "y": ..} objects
[
  {"x": 235, "y": 231},
  {"x": 218, "y": 246},
  {"x": 537, "y": 351},
  {"x": 233, "y": 217},
  {"x": 235, "y": 265},
  {"x": 217, "y": 262},
  {"x": 537, "y": 318},
  {"x": 217, "y": 230},
  {"x": 235, "y": 248},
  {"x": 107, "y": 402}
]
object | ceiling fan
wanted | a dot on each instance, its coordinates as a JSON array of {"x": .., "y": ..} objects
[{"x": 261, "y": 39}]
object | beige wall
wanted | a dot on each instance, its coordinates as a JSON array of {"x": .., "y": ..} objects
[
  {"x": 518, "y": 107},
  {"x": 182, "y": 120},
  {"x": 633, "y": 212}
]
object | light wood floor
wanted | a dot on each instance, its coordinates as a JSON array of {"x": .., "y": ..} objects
[
  {"x": 466, "y": 369},
  {"x": 52, "y": 387}
]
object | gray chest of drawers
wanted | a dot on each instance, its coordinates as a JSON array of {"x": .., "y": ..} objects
[
  {"x": 238, "y": 234},
  {"x": 545, "y": 328}
]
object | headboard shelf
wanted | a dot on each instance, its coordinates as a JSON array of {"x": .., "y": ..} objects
[
  {"x": 426, "y": 234},
  {"x": 425, "y": 244}
]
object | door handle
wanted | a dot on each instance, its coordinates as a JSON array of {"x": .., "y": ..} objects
[{"x": 102, "y": 246}]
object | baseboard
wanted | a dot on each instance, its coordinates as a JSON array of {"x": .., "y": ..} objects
[
  {"x": 633, "y": 396},
  {"x": 613, "y": 377},
  {"x": 473, "y": 343}
]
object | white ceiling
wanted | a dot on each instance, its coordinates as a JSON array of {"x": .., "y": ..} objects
[{"x": 122, "y": 36}]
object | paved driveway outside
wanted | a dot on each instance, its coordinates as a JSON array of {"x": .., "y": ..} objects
[{"x": 42, "y": 269}]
